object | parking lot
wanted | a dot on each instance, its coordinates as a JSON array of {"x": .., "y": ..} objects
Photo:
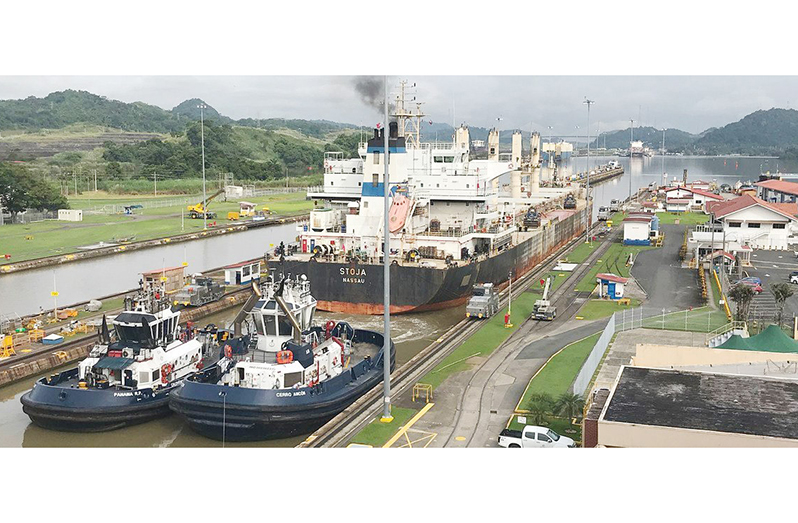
[{"x": 773, "y": 267}]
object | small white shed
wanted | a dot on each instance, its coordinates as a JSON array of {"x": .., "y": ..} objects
[{"x": 70, "y": 215}]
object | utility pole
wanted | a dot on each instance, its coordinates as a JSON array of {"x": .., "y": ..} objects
[
  {"x": 95, "y": 180},
  {"x": 75, "y": 180},
  {"x": 155, "y": 176},
  {"x": 386, "y": 254},
  {"x": 202, "y": 108},
  {"x": 589, "y": 209}
]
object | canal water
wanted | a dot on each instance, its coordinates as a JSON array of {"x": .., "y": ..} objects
[
  {"x": 24, "y": 292},
  {"x": 411, "y": 333}
]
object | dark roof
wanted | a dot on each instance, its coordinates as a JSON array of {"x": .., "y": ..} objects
[{"x": 706, "y": 401}]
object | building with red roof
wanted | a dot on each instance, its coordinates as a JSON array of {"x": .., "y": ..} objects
[
  {"x": 777, "y": 191},
  {"x": 748, "y": 220}
]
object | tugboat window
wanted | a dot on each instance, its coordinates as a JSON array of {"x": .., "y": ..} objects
[
  {"x": 376, "y": 158},
  {"x": 259, "y": 326},
  {"x": 269, "y": 323},
  {"x": 156, "y": 375},
  {"x": 375, "y": 180},
  {"x": 284, "y": 326}
]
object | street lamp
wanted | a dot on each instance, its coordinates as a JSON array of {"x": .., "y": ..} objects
[
  {"x": 202, "y": 108},
  {"x": 549, "y": 152},
  {"x": 575, "y": 144},
  {"x": 589, "y": 210}
]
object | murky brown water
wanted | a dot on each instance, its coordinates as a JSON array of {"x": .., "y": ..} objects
[{"x": 411, "y": 333}]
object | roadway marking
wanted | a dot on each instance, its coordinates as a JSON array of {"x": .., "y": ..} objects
[
  {"x": 460, "y": 438},
  {"x": 409, "y": 424}
]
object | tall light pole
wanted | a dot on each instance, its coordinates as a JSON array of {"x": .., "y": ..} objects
[
  {"x": 386, "y": 254},
  {"x": 574, "y": 153},
  {"x": 202, "y": 108},
  {"x": 631, "y": 139},
  {"x": 589, "y": 209},
  {"x": 551, "y": 127},
  {"x": 663, "y": 151}
]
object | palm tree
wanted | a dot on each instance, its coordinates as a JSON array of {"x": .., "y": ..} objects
[
  {"x": 781, "y": 291},
  {"x": 569, "y": 405},
  {"x": 540, "y": 406},
  {"x": 742, "y": 296}
]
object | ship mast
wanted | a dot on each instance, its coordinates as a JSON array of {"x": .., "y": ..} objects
[{"x": 407, "y": 117}]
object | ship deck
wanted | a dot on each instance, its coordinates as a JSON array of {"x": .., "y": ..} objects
[{"x": 519, "y": 237}]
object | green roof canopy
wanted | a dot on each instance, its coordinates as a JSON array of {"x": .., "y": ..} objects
[
  {"x": 112, "y": 363},
  {"x": 771, "y": 339}
]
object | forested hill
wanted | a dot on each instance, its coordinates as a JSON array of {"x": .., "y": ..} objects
[
  {"x": 675, "y": 139},
  {"x": 64, "y": 108},
  {"x": 761, "y": 132}
]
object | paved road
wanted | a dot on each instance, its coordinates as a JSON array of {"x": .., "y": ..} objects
[{"x": 659, "y": 272}]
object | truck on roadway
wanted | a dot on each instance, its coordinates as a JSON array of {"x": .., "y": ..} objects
[
  {"x": 484, "y": 301},
  {"x": 532, "y": 436}
]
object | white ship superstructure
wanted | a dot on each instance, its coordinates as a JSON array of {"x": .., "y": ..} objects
[{"x": 446, "y": 205}]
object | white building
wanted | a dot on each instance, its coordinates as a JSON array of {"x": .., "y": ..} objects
[
  {"x": 777, "y": 191},
  {"x": 70, "y": 215},
  {"x": 637, "y": 229},
  {"x": 681, "y": 199},
  {"x": 747, "y": 220}
]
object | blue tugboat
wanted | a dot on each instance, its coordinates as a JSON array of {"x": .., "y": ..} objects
[
  {"x": 285, "y": 379},
  {"x": 125, "y": 381}
]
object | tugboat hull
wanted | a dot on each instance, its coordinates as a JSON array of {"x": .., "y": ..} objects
[
  {"x": 242, "y": 414},
  {"x": 56, "y": 405}
]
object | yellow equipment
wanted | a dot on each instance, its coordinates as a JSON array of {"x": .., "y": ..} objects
[
  {"x": 232, "y": 215},
  {"x": 197, "y": 210}
]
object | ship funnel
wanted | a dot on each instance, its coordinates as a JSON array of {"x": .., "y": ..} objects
[
  {"x": 376, "y": 134},
  {"x": 278, "y": 297},
  {"x": 393, "y": 130},
  {"x": 534, "y": 148}
]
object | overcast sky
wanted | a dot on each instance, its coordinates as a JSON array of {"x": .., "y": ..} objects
[{"x": 690, "y": 103}]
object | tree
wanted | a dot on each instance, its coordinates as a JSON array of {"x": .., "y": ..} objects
[
  {"x": 20, "y": 190},
  {"x": 540, "y": 406},
  {"x": 569, "y": 405},
  {"x": 781, "y": 291},
  {"x": 742, "y": 296}
]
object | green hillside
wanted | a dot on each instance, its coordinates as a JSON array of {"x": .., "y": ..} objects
[
  {"x": 761, "y": 132},
  {"x": 675, "y": 139}
]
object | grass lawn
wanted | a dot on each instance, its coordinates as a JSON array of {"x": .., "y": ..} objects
[
  {"x": 613, "y": 261},
  {"x": 595, "y": 309},
  {"x": 377, "y": 433},
  {"x": 703, "y": 319},
  {"x": 685, "y": 218},
  {"x": 54, "y": 237},
  {"x": 581, "y": 252},
  {"x": 556, "y": 377}
]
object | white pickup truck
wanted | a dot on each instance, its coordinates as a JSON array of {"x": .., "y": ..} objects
[{"x": 532, "y": 436}]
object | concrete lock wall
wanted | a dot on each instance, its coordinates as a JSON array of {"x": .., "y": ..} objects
[
  {"x": 582, "y": 380},
  {"x": 652, "y": 355}
]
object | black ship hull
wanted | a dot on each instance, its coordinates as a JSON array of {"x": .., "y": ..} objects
[
  {"x": 357, "y": 288},
  {"x": 58, "y": 404},
  {"x": 241, "y": 414}
]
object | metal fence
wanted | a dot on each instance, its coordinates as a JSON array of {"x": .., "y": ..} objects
[
  {"x": 702, "y": 319},
  {"x": 30, "y": 217},
  {"x": 585, "y": 375}
]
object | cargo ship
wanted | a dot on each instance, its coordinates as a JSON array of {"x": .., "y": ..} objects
[
  {"x": 455, "y": 220},
  {"x": 286, "y": 376}
]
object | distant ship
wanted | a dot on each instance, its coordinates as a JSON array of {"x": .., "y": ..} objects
[
  {"x": 455, "y": 220},
  {"x": 638, "y": 150}
]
